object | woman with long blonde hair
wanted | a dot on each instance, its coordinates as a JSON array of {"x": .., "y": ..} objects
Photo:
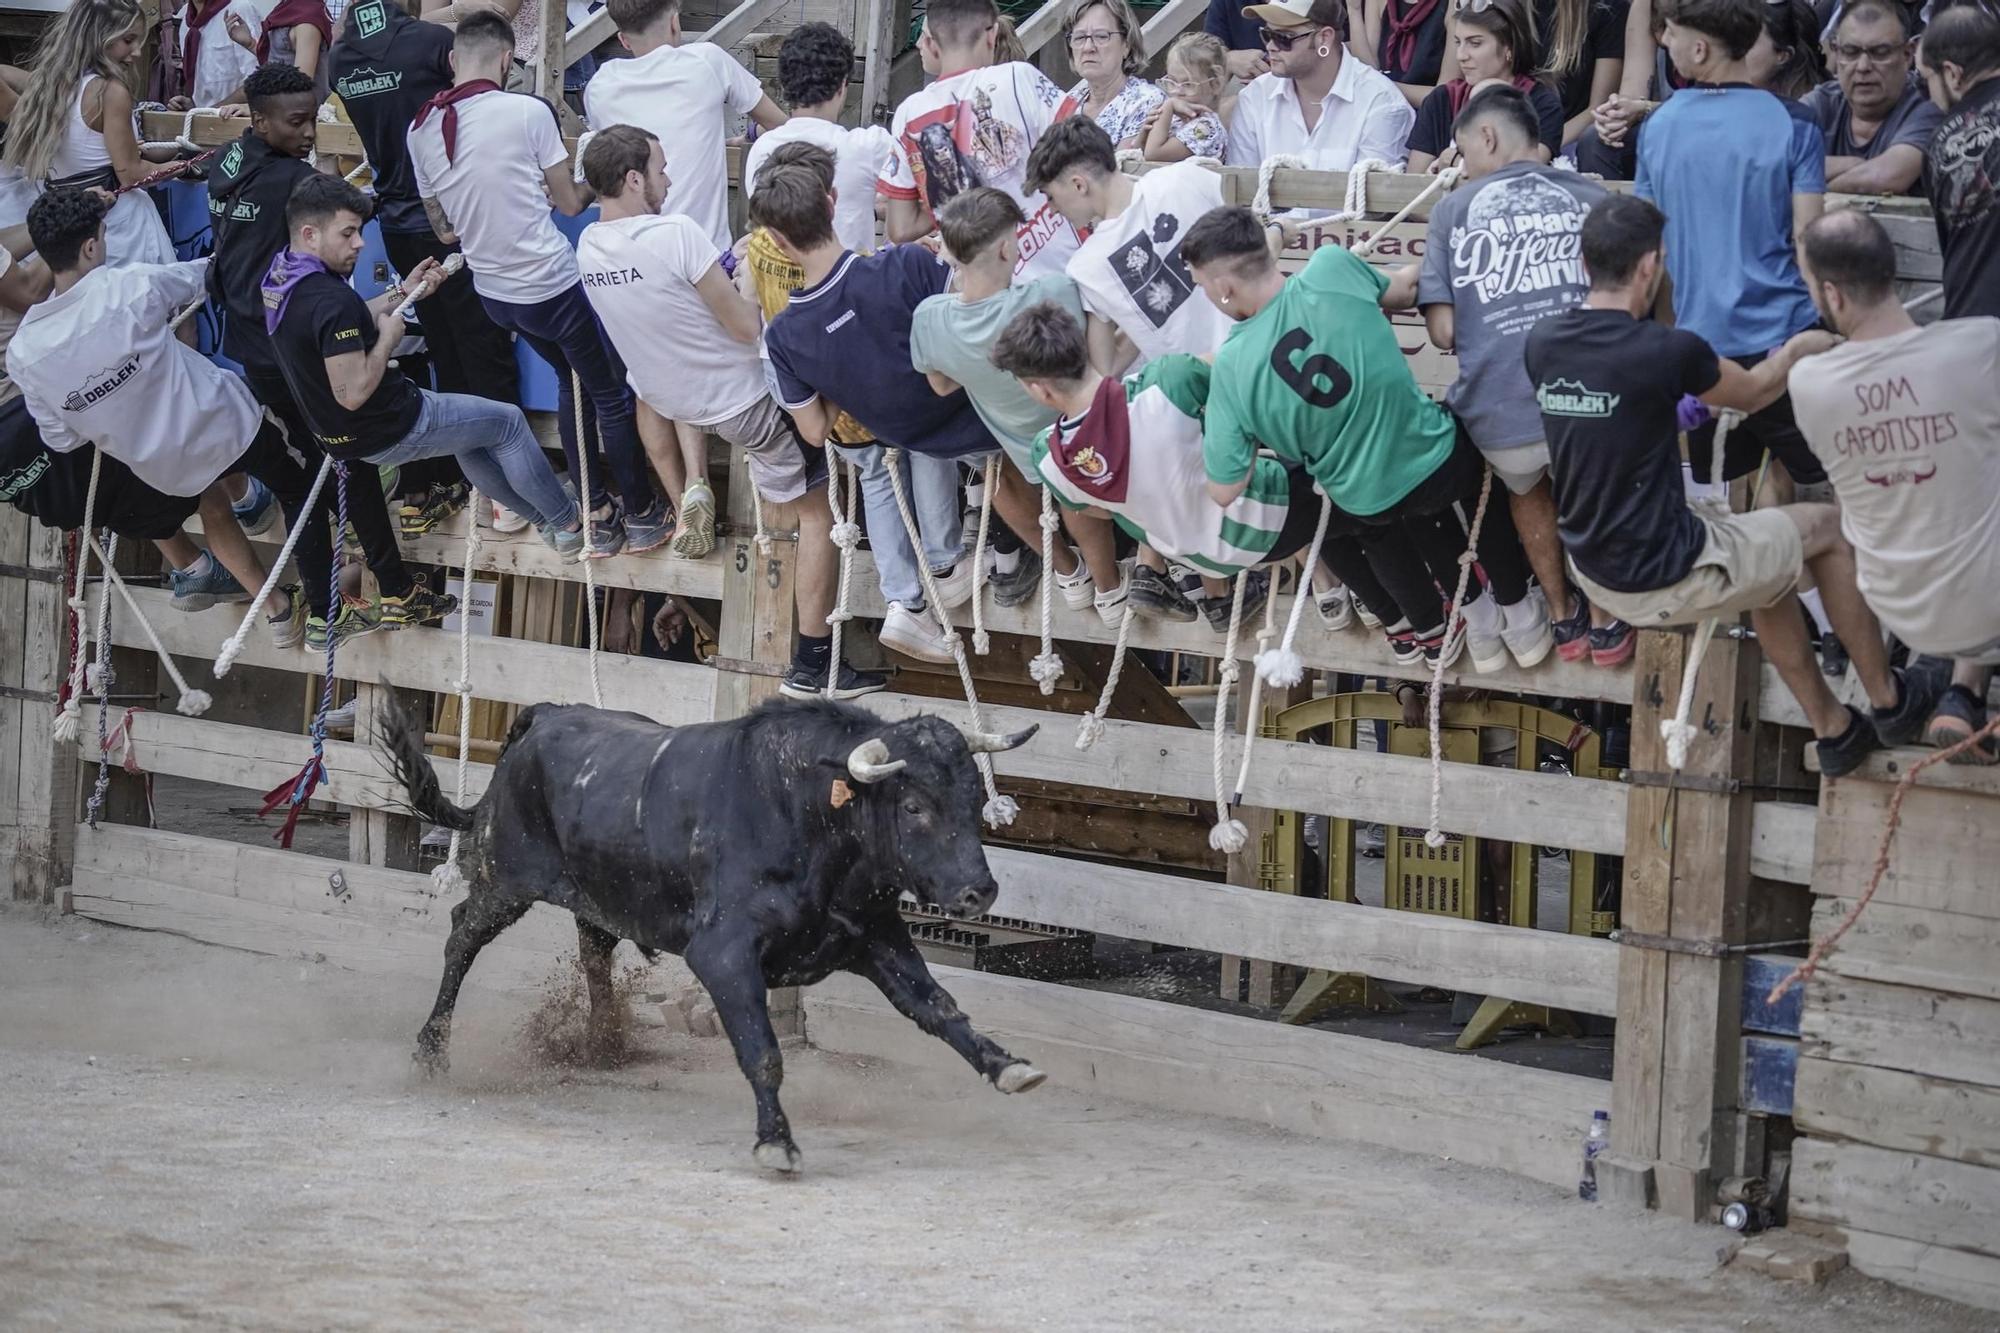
[{"x": 74, "y": 125}]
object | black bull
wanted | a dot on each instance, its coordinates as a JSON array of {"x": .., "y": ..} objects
[{"x": 768, "y": 851}]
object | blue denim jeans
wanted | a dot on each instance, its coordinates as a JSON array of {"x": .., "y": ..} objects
[
  {"x": 497, "y": 451},
  {"x": 565, "y": 332},
  {"x": 932, "y": 485}
]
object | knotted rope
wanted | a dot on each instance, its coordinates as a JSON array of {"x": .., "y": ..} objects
[
  {"x": 584, "y": 508},
  {"x": 69, "y": 722},
  {"x": 1453, "y": 625},
  {"x": 295, "y": 791},
  {"x": 988, "y": 481},
  {"x": 999, "y": 810},
  {"x": 105, "y": 677},
  {"x": 1677, "y": 730},
  {"x": 1229, "y": 833},
  {"x": 449, "y": 876},
  {"x": 232, "y": 647},
  {"x": 1046, "y": 667},
  {"x": 846, "y": 535},
  {"x": 192, "y": 702},
  {"x": 762, "y": 536},
  {"x": 1282, "y": 667},
  {"x": 1092, "y": 724}
]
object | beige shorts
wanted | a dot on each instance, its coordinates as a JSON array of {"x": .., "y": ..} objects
[
  {"x": 1520, "y": 468},
  {"x": 1748, "y": 562},
  {"x": 782, "y": 466}
]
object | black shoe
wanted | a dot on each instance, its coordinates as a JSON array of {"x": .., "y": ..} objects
[
  {"x": 1255, "y": 593},
  {"x": 804, "y": 682},
  {"x": 1916, "y": 696},
  {"x": 1832, "y": 656},
  {"x": 1155, "y": 597},
  {"x": 1019, "y": 586},
  {"x": 1842, "y": 754}
]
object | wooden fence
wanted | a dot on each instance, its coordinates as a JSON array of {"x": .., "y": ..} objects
[{"x": 1692, "y": 856}]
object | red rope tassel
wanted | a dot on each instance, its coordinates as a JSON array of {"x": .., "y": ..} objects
[{"x": 297, "y": 790}]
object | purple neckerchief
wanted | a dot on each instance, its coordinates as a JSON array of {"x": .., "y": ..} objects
[{"x": 288, "y": 270}]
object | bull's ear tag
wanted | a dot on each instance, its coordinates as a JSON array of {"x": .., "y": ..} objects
[{"x": 841, "y": 794}]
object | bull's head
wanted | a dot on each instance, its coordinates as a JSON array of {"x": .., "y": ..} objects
[{"x": 925, "y": 785}]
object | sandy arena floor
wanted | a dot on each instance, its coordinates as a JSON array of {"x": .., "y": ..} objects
[{"x": 199, "y": 1137}]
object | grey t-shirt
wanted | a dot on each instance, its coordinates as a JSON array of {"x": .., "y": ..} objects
[
  {"x": 1505, "y": 252},
  {"x": 1913, "y": 120}
]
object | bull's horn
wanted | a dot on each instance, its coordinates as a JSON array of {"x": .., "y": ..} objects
[
  {"x": 993, "y": 742},
  {"x": 870, "y": 761}
]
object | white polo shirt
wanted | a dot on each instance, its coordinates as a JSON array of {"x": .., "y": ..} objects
[
  {"x": 686, "y": 97},
  {"x": 496, "y": 196},
  {"x": 1362, "y": 116}
]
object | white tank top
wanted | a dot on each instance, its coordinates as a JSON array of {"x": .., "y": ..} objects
[{"x": 82, "y": 148}]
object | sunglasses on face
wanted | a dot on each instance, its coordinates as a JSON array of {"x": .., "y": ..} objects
[{"x": 1284, "y": 41}]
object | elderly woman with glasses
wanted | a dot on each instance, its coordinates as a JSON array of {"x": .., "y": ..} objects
[{"x": 1105, "y": 48}]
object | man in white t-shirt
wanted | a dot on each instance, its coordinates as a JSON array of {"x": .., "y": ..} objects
[
  {"x": 690, "y": 340},
  {"x": 684, "y": 95},
  {"x": 212, "y": 64},
  {"x": 975, "y": 125},
  {"x": 1318, "y": 102},
  {"x": 814, "y": 65},
  {"x": 1907, "y": 424},
  {"x": 487, "y": 165}
]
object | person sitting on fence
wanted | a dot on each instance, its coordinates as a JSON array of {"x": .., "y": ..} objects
[
  {"x": 1876, "y": 116},
  {"x": 1610, "y": 382},
  {"x": 1317, "y": 103},
  {"x": 950, "y": 336},
  {"x": 334, "y": 350},
  {"x": 1960, "y": 60},
  {"x": 1313, "y": 372},
  {"x": 1131, "y": 449},
  {"x": 98, "y": 362},
  {"x": 1908, "y": 424},
  {"x": 488, "y": 164},
  {"x": 1501, "y": 254},
  {"x": 852, "y": 301},
  {"x": 690, "y": 339}
]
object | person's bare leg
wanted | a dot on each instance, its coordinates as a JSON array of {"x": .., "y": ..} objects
[
  {"x": 1535, "y": 521},
  {"x": 1020, "y": 506},
  {"x": 1093, "y": 538},
  {"x": 238, "y": 486},
  {"x": 228, "y": 545},
  {"x": 1216, "y": 587},
  {"x": 1831, "y": 561},
  {"x": 817, "y": 575},
  {"x": 657, "y": 437},
  {"x": 1781, "y": 633},
  {"x": 691, "y": 443},
  {"x": 1971, "y": 676},
  {"x": 1152, "y": 559}
]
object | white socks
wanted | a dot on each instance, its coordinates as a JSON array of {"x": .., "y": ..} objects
[
  {"x": 1006, "y": 562},
  {"x": 1816, "y": 609}
]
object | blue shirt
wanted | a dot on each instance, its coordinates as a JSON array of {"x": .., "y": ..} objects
[
  {"x": 847, "y": 338},
  {"x": 1226, "y": 22},
  {"x": 1729, "y": 251}
]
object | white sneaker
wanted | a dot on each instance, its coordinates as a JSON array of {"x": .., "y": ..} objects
[
  {"x": 1335, "y": 607},
  {"x": 506, "y": 520},
  {"x": 1110, "y": 605},
  {"x": 1482, "y": 635},
  {"x": 1368, "y": 618},
  {"x": 1526, "y": 629},
  {"x": 1077, "y": 589},
  {"x": 954, "y": 589},
  {"x": 914, "y": 634}
]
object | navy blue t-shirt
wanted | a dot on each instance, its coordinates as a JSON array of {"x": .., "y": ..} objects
[
  {"x": 1226, "y": 21},
  {"x": 847, "y": 338}
]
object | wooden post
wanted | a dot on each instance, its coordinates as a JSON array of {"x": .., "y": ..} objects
[
  {"x": 37, "y": 777},
  {"x": 376, "y": 837},
  {"x": 880, "y": 36},
  {"x": 548, "y": 71},
  {"x": 758, "y": 613},
  {"x": 1253, "y": 866},
  {"x": 1677, "y": 1062}
]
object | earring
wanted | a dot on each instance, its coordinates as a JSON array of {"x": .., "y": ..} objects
[
  {"x": 1324, "y": 51},
  {"x": 1225, "y": 300}
]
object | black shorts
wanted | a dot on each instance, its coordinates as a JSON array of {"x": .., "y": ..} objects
[
  {"x": 52, "y": 488},
  {"x": 1771, "y": 429},
  {"x": 1301, "y": 520}
]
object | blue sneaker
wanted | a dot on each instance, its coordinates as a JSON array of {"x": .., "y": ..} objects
[
  {"x": 203, "y": 585},
  {"x": 607, "y": 535},
  {"x": 257, "y": 512},
  {"x": 648, "y": 531},
  {"x": 566, "y": 543}
]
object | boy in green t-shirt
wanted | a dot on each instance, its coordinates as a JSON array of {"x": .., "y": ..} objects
[{"x": 1313, "y": 372}]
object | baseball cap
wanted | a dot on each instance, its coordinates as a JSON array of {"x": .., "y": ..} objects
[{"x": 1292, "y": 13}]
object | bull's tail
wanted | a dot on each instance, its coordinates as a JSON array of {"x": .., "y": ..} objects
[{"x": 403, "y": 743}]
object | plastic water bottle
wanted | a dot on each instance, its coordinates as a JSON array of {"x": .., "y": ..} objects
[{"x": 1594, "y": 1144}]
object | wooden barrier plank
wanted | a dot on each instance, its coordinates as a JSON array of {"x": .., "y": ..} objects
[
  {"x": 1781, "y": 841},
  {"x": 1958, "y": 1275},
  {"x": 1323, "y": 1084},
  {"x": 526, "y": 553},
  {"x": 504, "y": 670},
  {"x": 1900, "y": 1111},
  {"x": 1936, "y": 862},
  {"x": 1910, "y": 946},
  {"x": 1953, "y": 1037},
  {"x": 1924, "y": 1199}
]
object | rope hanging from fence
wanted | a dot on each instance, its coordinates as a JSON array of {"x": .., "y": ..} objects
[
  {"x": 1091, "y": 727},
  {"x": 449, "y": 876},
  {"x": 1281, "y": 667},
  {"x": 989, "y": 479},
  {"x": 295, "y": 791},
  {"x": 1046, "y": 667},
  {"x": 1439, "y": 183},
  {"x": 1678, "y": 731},
  {"x": 584, "y": 508},
  {"x": 192, "y": 702},
  {"x": 69, "y": 721},
  {"x": 846, "y": 535},
  {"x": 999, "y": 810},
  {"x": 1454, "y": 623},
  {"x": 232, "y": 647},
  {"x": 1253, "y": 718},
  {"x": 104, "y": 676},
  {"x": 1228, "y": 834}
]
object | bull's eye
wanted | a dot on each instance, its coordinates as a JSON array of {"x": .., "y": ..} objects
[{"x": 912, "y": 808}]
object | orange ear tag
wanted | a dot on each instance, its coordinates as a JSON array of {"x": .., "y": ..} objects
[{"x": 842, "y": 793}]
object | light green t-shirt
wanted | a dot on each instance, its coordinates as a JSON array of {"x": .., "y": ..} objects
[
  {"x": 952, "y": 336},
  {"x": 1318, "y": 378},
  {"x": 1166, "y": 502}
]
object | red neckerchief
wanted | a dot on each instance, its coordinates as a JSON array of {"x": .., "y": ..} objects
[
  {"x": 291, "y": 14},
  {"x": 1094, "y": 457},
  {"x": 197, "y": 19},
  {"x": 447, "y": 101},
  {"x": 1459, "y": 92},
  {"x": 1399, "y": 44}
]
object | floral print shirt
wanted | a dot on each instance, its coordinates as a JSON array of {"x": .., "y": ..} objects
[{"x": 1124, "y": 116}]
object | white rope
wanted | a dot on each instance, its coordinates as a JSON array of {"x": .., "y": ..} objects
[
  {"x": 448, "y": 877},
  {"x": 192, "y": 703},
  {"x": 69, "y": 723},
  {"x": 1229, "y": 834},
  {"x": 999, "y": 810},
  {"x": 1260, "y": 203},
  {"x": 1454, "y": 620},
  {"x": 1046, "y": 668},
  {"x": 582, "y": 142},
  {"x": 1678, "y": 731},
  {"x": 846, "y": 535},
  {"x": 989, "y": 480},
  {"x": 232, "y": 647},
  {"x": 1253, "y": 719},
  {"x": 97, "y": 679},
  {"x": 1092, "y": 726},
  {"x": 762, "y": 537},
  {"x": 1439, "y": 183},
  {"x": 1281, "y": 666},
  {"x": 584, "y": 507}
]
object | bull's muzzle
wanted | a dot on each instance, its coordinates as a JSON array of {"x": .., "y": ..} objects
[{"x": 974, "y": 901}]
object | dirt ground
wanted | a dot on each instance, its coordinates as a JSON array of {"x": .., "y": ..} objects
[{"x": 195, "y": 1136}]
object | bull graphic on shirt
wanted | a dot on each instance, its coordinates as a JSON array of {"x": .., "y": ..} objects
[{"x": 961, "y": 147}]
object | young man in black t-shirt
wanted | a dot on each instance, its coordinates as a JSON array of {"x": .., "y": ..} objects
[
  {"x": 1960, "y": 61},
  {"x": 333, "y": 349},
  {"x": 1611, "y": 383}
]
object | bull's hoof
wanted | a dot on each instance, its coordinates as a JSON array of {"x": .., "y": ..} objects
[
  {"x": 1020, "y": 1077},
  {"x": 431, "y": 1055},
  {"x": 781, "y": 1157}
]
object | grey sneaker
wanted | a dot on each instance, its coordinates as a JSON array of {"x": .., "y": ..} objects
[
  {"x": 695, "y": 536},
  {"x": 288, "y": 630},
  {"x": 567, "y": 543},
  {"x": 257, "y": 512},
  {"x": 1153, "y": 594},
  {"x": 1019, "y": 586},
  {"x": 203, "y": 586}
]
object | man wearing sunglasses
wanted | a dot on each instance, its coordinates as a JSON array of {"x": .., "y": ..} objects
[
  {"x": 1316, "y": 103},
  {"x": 1876, "y": 115}
]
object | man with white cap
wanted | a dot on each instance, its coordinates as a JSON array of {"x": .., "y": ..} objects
[{"x": 1316, "y": 103}]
